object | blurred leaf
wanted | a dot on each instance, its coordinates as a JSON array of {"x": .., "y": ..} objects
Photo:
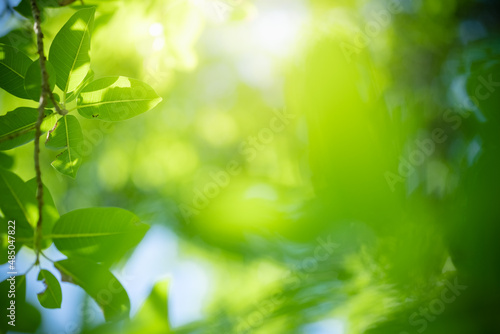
[
  {"x": 153, "y": 315},
  {"x": 50, "y": 212},
  {"x": 13, "y": 67},
  {"x": 99, "y": 283},
  {"x": 51, "y": 297},
  {"x": 67, "y": 134},
  {"x": 99, "y": 234},
  {"x": 24, "y": 8},
  {"x": 6, "y": 161},
  {"x": 18, "y": 203},
  {"x": 53, "y": 3},
  {"x": 27, "y": 317},
  {"x": 33, "y": 79},
  {"x": 21, "y": 119},
  {"x": 70, "y": 50},
  {"x": 116, "y": 99}
]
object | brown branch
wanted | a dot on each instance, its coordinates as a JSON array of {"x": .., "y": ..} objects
[
  {"x": 41, "y": 113},
  {"x": 56, "y": 105}
]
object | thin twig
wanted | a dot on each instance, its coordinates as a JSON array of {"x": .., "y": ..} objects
[
  {"x": 29, "y": 269},
  {"x": 41, "y": 113},
  {"x": 45, "y": 256}
]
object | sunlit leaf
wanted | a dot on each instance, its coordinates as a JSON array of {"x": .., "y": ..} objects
[
  {"x": 153, "y": 315},
  {"x": 21, "y": 120},
  {"x": 13, "y": 67},
  {"x": 88, "y": 78},
  {"x": 67, "y": 134},
  {"x": 70, "y": 50},
  {"x": 33, "y": 79},
  {"x": 100, "y": 234},
  {"x": 99, "y": 283},
  {"x": 51, "y": 297},
  {"x": 116, "y": 99}
]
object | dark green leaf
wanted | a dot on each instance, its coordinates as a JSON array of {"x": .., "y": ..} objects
[
  {"x": 24, "y": 7},
  {"x": 33, "y": 79},
  {"x": 6, "y": 161},
  {"x": 13, "y": 67},
  {"x": 27, "y": 317},
  {"x": 100, "y": 234},
  {"x": 22, "y": 119},
  {"x": 51, "y": 297},
  {"x": 99, "y": 283},
  {"x": 18, "y": 203},
  {"x": 116, "y": 99},
  {"x": 70, "y": 50}
]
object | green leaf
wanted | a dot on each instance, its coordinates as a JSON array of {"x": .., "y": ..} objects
[
  {"x": 70, "y": 50},
  {"x": 88, "y": 78},
  {"x": 24, "y": 7},
  {"x": 27, "y": 317},
  {"x": 33, "y": 79},
  {"x": 6, "y": 161},
  {"x": 152, "y": 317},
  {"x": 18, "y": 203},
  {"x": 51, "y": 297},
  {"x": 99, "y": 234},
  {"x": 116, "y": 99},
  {"x": 99, "y": 283},
  {"x": 67, "y": 134},
  {"x": 50, "y": 212},
  {"x": 21, "y": 119},
  {"x": 13, "y": 67}
]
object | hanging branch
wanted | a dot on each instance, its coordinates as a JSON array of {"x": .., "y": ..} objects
[{"x": 45, "y": 95}]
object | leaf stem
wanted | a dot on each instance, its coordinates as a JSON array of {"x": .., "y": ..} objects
[
  {"x": 31, "y": 267},
  {"x": 45, "y": 256}
]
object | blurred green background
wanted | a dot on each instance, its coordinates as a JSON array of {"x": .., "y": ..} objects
[{"x": 315, "y": 166}]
